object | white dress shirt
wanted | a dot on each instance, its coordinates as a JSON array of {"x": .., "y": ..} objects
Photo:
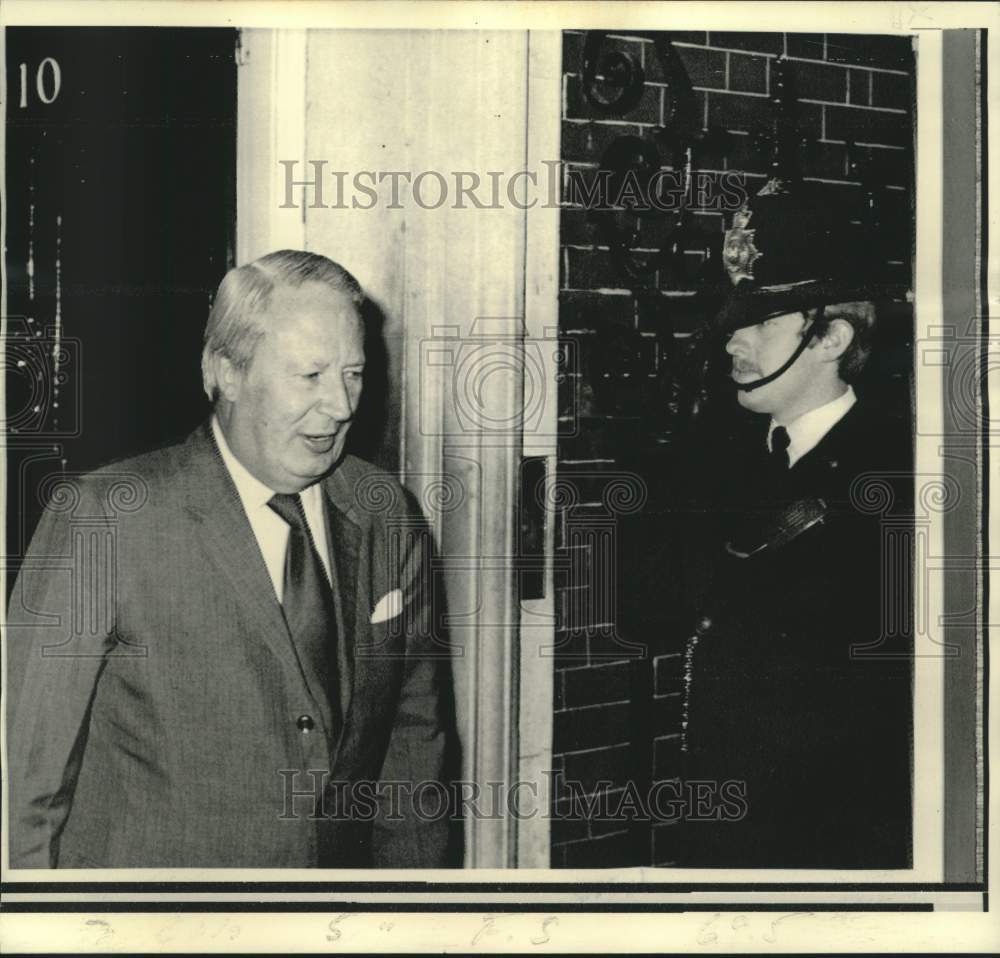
[
  {"x": 805, "y": 432},
  {"x": 270, "y": 530}
]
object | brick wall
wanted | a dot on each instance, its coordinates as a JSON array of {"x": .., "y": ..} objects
[{"x": 617, "y": 716}]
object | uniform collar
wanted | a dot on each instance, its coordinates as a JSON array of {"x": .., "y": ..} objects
[{"x": 805, "y": 433}]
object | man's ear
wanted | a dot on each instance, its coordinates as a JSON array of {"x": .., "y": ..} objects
[
  {"x": 228, "y": 378},
  {"x": 838, "y": 338}
]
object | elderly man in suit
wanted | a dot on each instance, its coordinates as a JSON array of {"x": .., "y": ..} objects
[
  {"x": 799, "y": 669},
  {"x": 220, "y": 654}
]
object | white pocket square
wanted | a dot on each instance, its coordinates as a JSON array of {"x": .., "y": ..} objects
[{"x": 388, "y": 607}]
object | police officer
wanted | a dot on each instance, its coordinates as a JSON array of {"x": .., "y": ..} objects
[{"x": 798, "y": 671}]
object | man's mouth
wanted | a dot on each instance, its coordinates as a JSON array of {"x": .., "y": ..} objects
[
  {"x": 743, "y": 373},
  {"x": 319, "y": 442}
]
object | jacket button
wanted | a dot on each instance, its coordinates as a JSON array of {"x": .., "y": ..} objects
[
  {"x": 704, "y": 624},
  {"x": 305, "y": 723}
]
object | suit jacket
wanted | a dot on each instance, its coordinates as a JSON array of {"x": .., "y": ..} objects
[
  {"x": 158, "y": 714},
  {"x": 799, "y": 667}
]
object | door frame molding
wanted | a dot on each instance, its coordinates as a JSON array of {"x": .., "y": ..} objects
[
  {"x": 536, "y": 672},
  {"x": 270, "y": 127}
]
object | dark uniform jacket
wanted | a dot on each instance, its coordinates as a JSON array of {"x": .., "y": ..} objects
[{"x": 798, "y": 670}]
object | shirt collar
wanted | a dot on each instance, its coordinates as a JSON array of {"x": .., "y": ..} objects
[
  {"x": 253, "y": 492},
  {"x": 805, "y": 433}
]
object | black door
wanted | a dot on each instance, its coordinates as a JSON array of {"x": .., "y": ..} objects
[{"x": 120, "y": 176}]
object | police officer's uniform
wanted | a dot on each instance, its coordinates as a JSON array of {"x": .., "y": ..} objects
[{"x": 798, "y": 667}]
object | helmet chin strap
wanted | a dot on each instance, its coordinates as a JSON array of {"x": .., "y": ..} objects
[{"x": 799, "y": 350}]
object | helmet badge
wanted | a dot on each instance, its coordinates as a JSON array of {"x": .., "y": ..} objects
[{"x": 738, "y": 252}]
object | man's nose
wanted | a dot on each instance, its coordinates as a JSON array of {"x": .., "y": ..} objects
[
  {"x": 336, "y": 400},
  {"x": 736, "y": 344}
]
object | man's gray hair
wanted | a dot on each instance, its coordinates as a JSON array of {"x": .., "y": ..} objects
[{"x": 235, "y": 324}]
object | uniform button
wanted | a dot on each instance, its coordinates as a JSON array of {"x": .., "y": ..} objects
[
  {"x": 305, "y": 723},
  {"x": 704, "y": 624}
]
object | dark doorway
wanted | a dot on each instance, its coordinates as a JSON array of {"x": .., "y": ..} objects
[{"x": 120, "y": 222}]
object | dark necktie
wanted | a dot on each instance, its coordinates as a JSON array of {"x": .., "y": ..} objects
[
  {"x": 779, "y": 448},
  {"x": 307, "y": 599}
]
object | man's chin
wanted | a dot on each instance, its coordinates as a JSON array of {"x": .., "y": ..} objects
[{"x": 751, "y": 399}]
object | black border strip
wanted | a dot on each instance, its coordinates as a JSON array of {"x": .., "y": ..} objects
[
  {"x": 574, "y": 954},
  {"x": 984, "y": 224},
  {"x": 160, "y": 907},
  {"x": 487, "y": 887}
]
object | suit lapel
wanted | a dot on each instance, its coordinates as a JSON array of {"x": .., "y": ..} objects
[
  {"x": 229, "y": 539},
  {"x": 367, "y": 662},
  {"x": 344, "y": 540}
]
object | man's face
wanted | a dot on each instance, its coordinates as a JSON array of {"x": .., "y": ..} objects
[
  {"x": 291, "y": 408},
  {"x": 760, "y": 350}
]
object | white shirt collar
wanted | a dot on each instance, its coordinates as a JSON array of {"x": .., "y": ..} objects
[
  {"x": 253, "y": 492},
  {"x": 805, "y": 433},
  {"x": 269, "y": 529}
]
